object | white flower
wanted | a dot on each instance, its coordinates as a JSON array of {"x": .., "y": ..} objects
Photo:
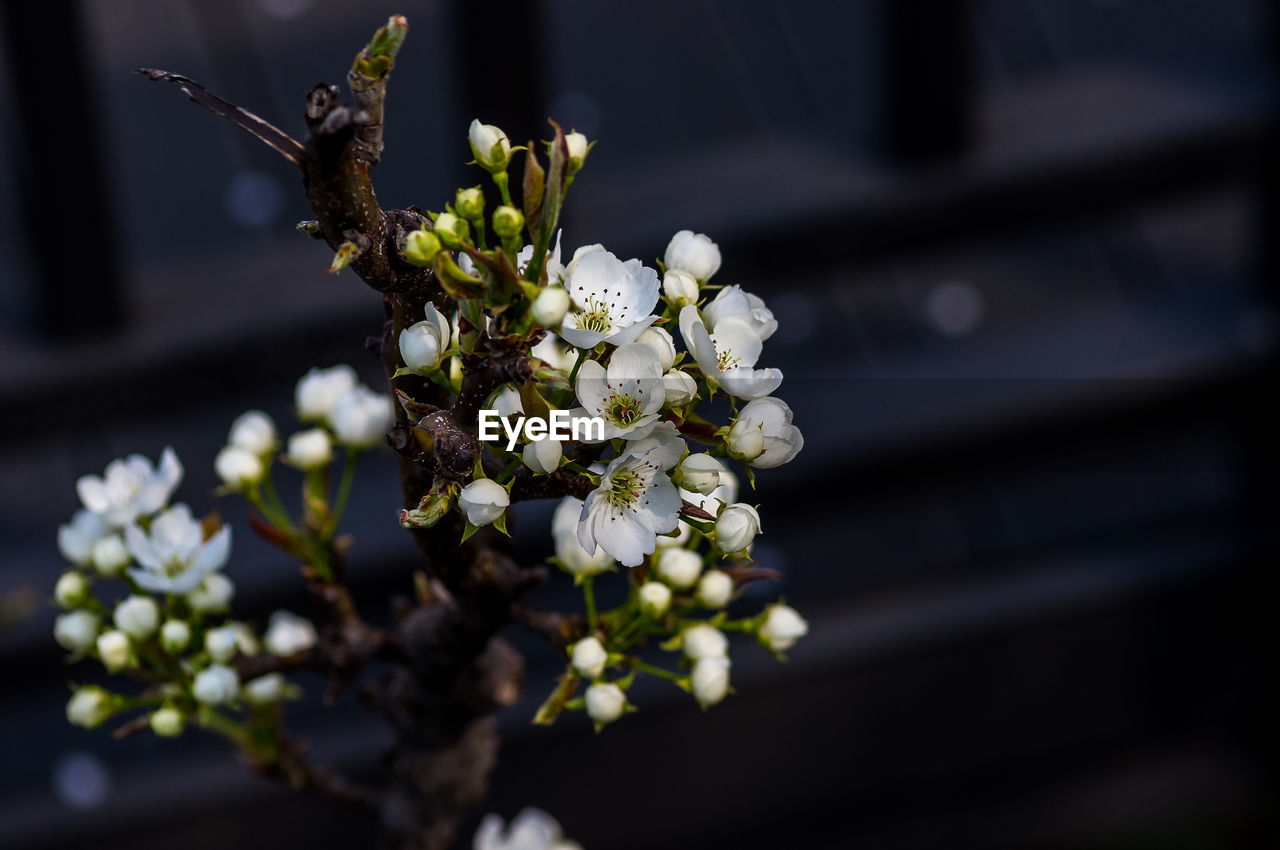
[
  {"x": 532, "y": 829},
  {"x": 763, "y": 436},
  {"x": 605, "y": 702},
  {"x": 655, "y": 599},
  {"x": 679, "y": 567},
  {"x": 661, "y": 342},
  {"x": 715, "y": 589},
  {"x": 76, "y": 538},
  {"x": 635, "y": 501},
  {"x": 310, "y": 449},
  {"x": 76, "y": 631},
  {"x": 255, "y": 431},
  {"x": 569, "y": 552},
  {"x": 554, "y": 354},
  {"x": 692, "y": 253},
  {"x": 71, "y": 591},
  {"x": 166, "y": 722},
  {"x": 110, "y": 555},
  {"x": 174, "y": 636},
  {"x": 704, "y": 641},
  {"x": 728, "y": 356},
  {"x": 699, "y": 473},
  {"x": 680, "y": 288},
  {"x": 265, "y": 690},
  {"x": 90, "y": 706},
  {"x": 114, "y": 650},
  {"x": 238, "y": 467},
  {"x": 173, "y": 555},
  {"x": 288, "y": 634},
  {"x": 215, "y": 685},
  {"x": 588, "y": 657},
  {"x": 137, "y": 616},
  {"x": 361, "y": 417},
  {"x": 489, "y": 145},
  {"x": 679, "y": 388},
  {"x": 131, "y": 488},
  {"x": 782, "y": 627},
  {"x": 213, "y": 595},
  {"x": 628, "y": 395},
  {"x": 422, "y": 345},
  {"x": 220, "y": 643},
  {"x": 733, "y": 303},
  {"x": 710, "y": 680},
  {"x": 543, "y": 455},
  {"x": 483, "y": 501},
  {"x": 319, "y": 390},
  {"x": 612, "y": 300},
  {"x": 736, "y": 527},
  {"x": 550, "y": 306}
]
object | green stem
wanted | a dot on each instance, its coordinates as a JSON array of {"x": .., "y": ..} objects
[
  {"x": 573, "y": 375},
  {"x": 510, "y": 469},
  {"x": 344, "y": 489},
  {"x": 279, "y": 520},
  {"x": 589, "y": 597},
  {"x": 501, "y": 180},
  {"x": 224, "y": 726},
  {"x": 637, "y": 664}
]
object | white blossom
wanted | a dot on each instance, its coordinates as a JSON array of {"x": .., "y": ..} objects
[
  {"x": 588, "y": 657},
  {"x": 782, "y": 627},
  {"x": 692, "y": 253},
  {"x": 220, "y": 643},
  {"x": 679, "y": 388},
  {"x": 733, "y": 303},
  {"x": 709, "y": 680},
  {"x": 319, "y": 390},
  {"x": 90, "y": 706},
  {"x": 728, "y": 356},
  {"x": 655, "y": 598},
  {"x": 532, "y": 829},
  {"x": 361, "y": 417},
  {"x": 166, "y": 722},
  {"x": 115, "y": 650},
  {"x": 763, "y": 436},
  {"x": 569, "y": 552},
  {"x": 680, "y": 288},
  {"x": 172, "y": 555},
  {"x": 736, "y": 527},
  {"x": 699, "y": 472},
  {"x": 715, "y": 589},
  {"x": 605, "y": 702},
  {"x": 255, "y": 431},
  {"x": 612, "y": 300},
  {"x": 662, "y": 344},
  {"x": 310, "y": 449},
  {"x": 543, "y": 456},
  {"x": 174, "y": 636},
  {"x": 214, "y": 594},
  {"x": 72, "y": 590},
  {"x": 110, "y": 556},
  {"x": 704, "y": 641},
  {"x": 423, "y": 344},
  {"x": 76, "y": 631},
  {"x": 76, "y": 538},
  {"x": 483, "y": 501},
  {"x": 130, "y": 488},
  {"x": 627, "y": 395},
  {"x": 216, "y": 685},
  {"x": 288, "y": 634},
  {"x": 137, "y": 616},
  {"x": 679, "y": 568},
  {"x": 238, "y": 467}
]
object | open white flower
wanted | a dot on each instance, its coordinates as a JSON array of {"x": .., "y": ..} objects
[
  {"x": 320, "y": 389},
  {"x": 361, "y": 417},
  {"x": 76, "y": 538},
  {"x": 733, "y": 302},
  {"x": 728, "y": 356},
  {"x": 763, "y": 436},
  {"x": 627, "y": 395},
  {"x": 173, "y": 556},
  {"x": 569, "y": 552},
  {"x": 532, "y": 829},
  {"x": 692, "y": 253},
  {"x": 131, "y": 488},
  {"x": 612, "y": 300},
  {"x": 423, "y": 344}
]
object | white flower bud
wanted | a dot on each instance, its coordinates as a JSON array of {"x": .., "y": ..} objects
[
  {"x": 90, "y": 706},
  {"x": 137, "y": 617},
  {"x": 543, "y": 455},
  {"x": 736, "y": 527},
  {"x": 216, "y": 685},
  {"x": 710, "y": 680},
  {"x": 265, "y": 690},
  {"x": 699, "y": 473},
  {"x": 320, "y": 389},
  {"x": 782, "y": 627},
  {"x": 663, "y": 345},
  {"x": 174, "y": 636},
  {"x": 680, "y": 288},
  {"x": 745, "y": 441},
  {"x": 715, "y": 589},
  {"x": 115, "y": 650},
  {"x": 422, "y": 345},
  {"x": 213, "y": 595},
  {"x": 693, "y": 253},
  {"x": 704, "y": 641},
  {"x": 71, "y": 591},
  {"x": 483, "y": 501},
  {"x": 238, "y": 467},
  {"x": 578, "y": 147},
  {"x": 451, "y": 230},
  {"x": 489, "y": 145},
  {"x": 763, "y": 435},
  {"x": 361, "y": 418},
  {"x": 679, "y": 567},
  {"x": 679, "y": 387},
  {"x": 245, "y": 640},
  {"x": 588, "y": 657},
  {"x": 75, "y": 631},
  {"x": 605, "y": 702},
  {"x": 550, "y": 306},
  {"x": 288, "y": 634},
  {"x": 255, "y": 431},
  {"x": 309, "y": 449},
  {"x": 220, "y": 643},
  {"x": 110, "y": 556},
  {"x": 655, "y": 599},
  {"x": 166, "y": 722}
]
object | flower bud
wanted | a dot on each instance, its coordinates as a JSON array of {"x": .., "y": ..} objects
[
  {"x": 660, "y": 341},
  {"x": 75, "y": 631},
  {"x": 736, "y": 527},
  {"x": 309, "y": 449},
  {"x": 114, "y": 650},
  {"x": 507, "y": 221},
  {"x": 550, "y": 306},
  {"x": 166, "y": 722},
  {"x": 238, "y": 467},
  {"x": 265, "y": 690},
  {"x": 422, "y": 346},
  {"x": 699, "y": 473},
  {"x": 680, "y": 288},
  {"x": 489, "y": 145},
  {"x": 782, "y": 627},
  {"x": 709, "y": 680},
  {"x": 715, "y": 589},
  {"x": 679, "y": 567},
  {"x": 137, "y": 617},
  {"x": 174, "y": 636},
  {"x": 110, "y": 556},
  {"x": 90, "y": 706},
  {"x": 655, "y": 599},
  {"x": 71, "y": 591},
  {"x": 320, "y": 389},
  {"x": 255, "y": 431},
  {"x": 361, "y": 418},
  {"x": 213, "y": 595},
  {"x": 680, "y": 389},
  {"x": 451, "y": 230},
  {"x": 469, "y": 203},
  {"x": 288, "y": 634},
  {"x": 588, "y": 657},
  {"x": 421, "y": 247},
  {"x": 745, "y": 441},
  {"x": 605, "y": 702},
  {"x": 216, "y": 685},
  {"x": 704, "y": 641},
  {"x": 578, "y": 148},
  {"x": 483, "y": 501},
  {"x": 543, "y": 456},
  {"x": 694, "y": 254},
  {"x": 220, "y": 643}
]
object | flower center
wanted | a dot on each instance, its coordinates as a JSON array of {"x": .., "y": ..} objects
[
  {"x": 625, "y": 488},
  {"x": 725, "y": 359},
  {"x": 174, "y": 566},
  {"x": 623, "y": 409},
  {"x": 595, "y": 317}
]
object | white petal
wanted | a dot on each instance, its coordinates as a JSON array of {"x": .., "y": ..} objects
[
  {"x": 572, "y": 334},
  {"x": 140, "y": 548},
  {"x": 170, "y": 468},
  {"x": 750, "y": 383},
  {"x": 93, "y": 492},
  {"x": 213, "y": 553},
  {"x": 738, "y": 339},
  {"x": 632, "y": 332},
  {"x": 151, "y": 581}
]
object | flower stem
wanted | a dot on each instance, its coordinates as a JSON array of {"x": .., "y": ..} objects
[
  {"x": 637, "y": 664},
  {"x": 582, "y": 355},
  {"x": 344, "y": 489},
  {"x": 589, "y": 597}
]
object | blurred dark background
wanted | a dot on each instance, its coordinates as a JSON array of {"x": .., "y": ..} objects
[{"x": 1023, "y": 255}]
